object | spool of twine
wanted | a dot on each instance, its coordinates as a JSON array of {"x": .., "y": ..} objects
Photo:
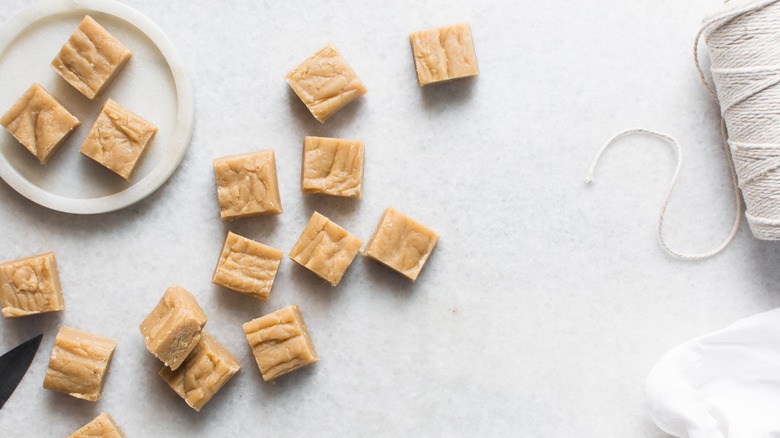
[{"x": 744, "y": 45}]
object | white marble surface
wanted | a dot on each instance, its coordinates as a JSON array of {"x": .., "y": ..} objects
[{"x": 545, "y": 303}]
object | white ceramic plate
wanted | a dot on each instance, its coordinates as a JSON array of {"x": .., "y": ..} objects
[{"x": 153, "y": 84}]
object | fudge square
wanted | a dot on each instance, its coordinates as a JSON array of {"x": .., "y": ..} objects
[
  {"x": 205, "y": 371},
  {"x": 91, "y": 58},
  {"x": 325, "y": 83},
  {"x": 118, "y": 139},
  {"x": 280, "y": 342},
  {"x": 401, "y": 243},
  {"x": 102, "y": 426},
  {"x": 444, "y": 54},
  {"x": 29, "y": 286},
  {"x": 247, "y": 185},
  {"x": 174, "y": 327},
  {"x": 325, "y": 249},
  {"x": 332, "y": 166},
  {"x": 39, "y": 122},
  {"x": 79, "y": 363},
  {"x": 247, "y": 266}
]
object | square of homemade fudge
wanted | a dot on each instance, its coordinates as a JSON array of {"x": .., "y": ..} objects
[
  {"x": 247, "y": 266},
  {"x": 444, "y": 54},
  {"x": 205, "y": 371},
  {"x": 325, "y": 83},
  {"x": 79, "y": 364},
  {"x": 102, "y": 426},
  {"x": 91, "y": 58},
  {"x": 325, "y": 249},
  {"x": 280, "y": 342},
  {"x": 29, "y": 286},
  {"x": 174, "y": 327},
  {"x": 247, "y": 185},
  {"x": 332, "y": 166},
  {"x": 118, "y": 139},
  {"x": 401, "y": 243},
  {"x": 39, "y": 122}
]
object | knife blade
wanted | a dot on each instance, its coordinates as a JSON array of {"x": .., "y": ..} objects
[{"x": 14, "y": 365}]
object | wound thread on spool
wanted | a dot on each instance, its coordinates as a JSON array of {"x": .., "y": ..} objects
[{"x": 744, "y": 44}]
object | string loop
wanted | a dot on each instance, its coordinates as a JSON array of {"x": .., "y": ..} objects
[{"x": 678, "y": 150}]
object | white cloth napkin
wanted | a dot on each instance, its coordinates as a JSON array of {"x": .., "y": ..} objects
[{"x": 722, "y": 385}]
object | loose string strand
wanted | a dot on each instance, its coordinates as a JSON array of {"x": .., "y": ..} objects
[{"x": 678, "y": 150}]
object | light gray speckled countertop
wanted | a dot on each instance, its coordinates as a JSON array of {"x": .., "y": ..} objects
[{"x": 545, "y": 303}]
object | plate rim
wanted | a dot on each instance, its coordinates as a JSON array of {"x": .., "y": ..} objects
[{"x": 183, "y": 127}]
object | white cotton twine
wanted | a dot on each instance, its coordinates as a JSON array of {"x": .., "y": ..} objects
[{"x": 744, "y": 43}]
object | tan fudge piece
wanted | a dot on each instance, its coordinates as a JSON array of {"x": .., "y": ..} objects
[
  {"x": 444, "y": 54},
  {"x": 247, "y": 266},
  {"x": 325, "y": 83},
  {"x": 173, "y": 329},
  {"x": 39, "y": 122},
  {"x": 29, "y": 286},
  {"x": 118, "y": 139},
  {"x": 91, "y": 58},
  {"x": 332, "y": 166},
  {"x": 79, "y": 363},
  {"x": 280, "y": 342},
  {"x": 103, "y": 426},
  {"x": 204, "y": 372},
  {"x": 325, "y": 249},
  {"x": 401, "y": 243},
  {"x": 247, "y": 185}
]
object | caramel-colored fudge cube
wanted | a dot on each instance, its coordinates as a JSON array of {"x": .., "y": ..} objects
[
  {"x": 103, "y": 426},
  {"x": 39, "y": 122},
  {"x": 118, "y": 139},
  {"x": 247, "y": 185},
  {"x": 79, "y": 364},
  {"x": 205, "y": 371},
  {"x": 325, "y": 249},
  {"x": 247, "y": 266},
  {"x": 174, "y": 327},
  {"x": 280, "y": 342},
  {"x": 332, "y": 166},
  {"x": 444, "y": 54},
  {"x": 325, "y": 83},
  {"x": 401, "y": 243},
  {"x": 29, "y": 286},
  {"x": 91, "y": 58}
]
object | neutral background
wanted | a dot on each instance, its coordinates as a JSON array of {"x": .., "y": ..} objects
[{"x": 545, "y": 303}]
